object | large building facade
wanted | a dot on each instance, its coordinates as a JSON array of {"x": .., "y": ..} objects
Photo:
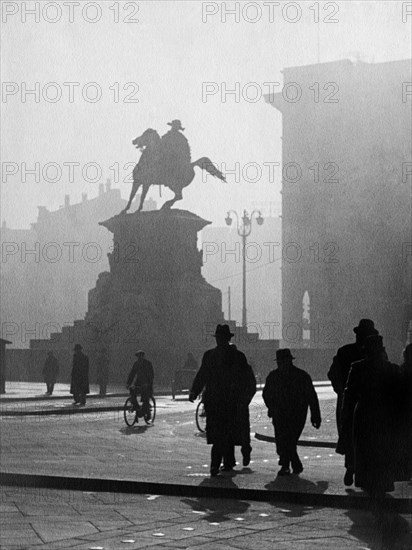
[{"x": 346, "y": 201}]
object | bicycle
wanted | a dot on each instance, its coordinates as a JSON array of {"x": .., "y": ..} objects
[
  {"x": 201, "y": 417},
  {"x": 132, "y": 415}
]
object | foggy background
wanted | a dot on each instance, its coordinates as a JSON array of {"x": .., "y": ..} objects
[{"x": 169, "y": 53}]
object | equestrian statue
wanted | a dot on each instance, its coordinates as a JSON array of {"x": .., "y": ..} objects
[{"x": 166, "y": 161}]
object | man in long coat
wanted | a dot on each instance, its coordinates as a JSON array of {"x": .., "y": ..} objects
[
  {"x": 370, "y": 417},
  {"x": 288, "y": 393},
  {"x": 228, "y": 385},
  {"x": 50, "y": 372},
  {"x": 338, "y": 375},
  {"x": 80, "y": 376}
]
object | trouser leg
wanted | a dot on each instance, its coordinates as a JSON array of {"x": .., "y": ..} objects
[
  {"x": 229, "y": 460},
  {"x": 296, "y": 462},
  {"x": 216, "y": 458}
]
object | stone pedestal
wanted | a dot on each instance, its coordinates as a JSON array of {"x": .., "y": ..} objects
[{"x": 154, "y": 297}]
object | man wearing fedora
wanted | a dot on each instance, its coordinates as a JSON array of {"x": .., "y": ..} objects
[
  {"x": 141, "y": 375},
  {"x": 175, "y": 147},
  {"x": 288, "y": 393},
  {"x": 228, "y": 386},
  {"x": 79, "y": 386},
  {"x": 338, "y": 375}
]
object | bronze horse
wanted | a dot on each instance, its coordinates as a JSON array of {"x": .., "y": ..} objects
[{"x": 156, "y": 167}]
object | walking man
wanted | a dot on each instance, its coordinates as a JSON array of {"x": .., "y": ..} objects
[
  {"x": 288, "y": 393},
  {"x": 141, "y": 375},
  {"x": 228, "y": 384},
  {"x": 338, "y": 374},
  {"x": 80, "y": 376},
  {"x": 50, "y": 372}
]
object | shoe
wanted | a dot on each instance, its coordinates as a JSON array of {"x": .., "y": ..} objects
[
  {"x": 348, "y": 478},
  {"x": 226, "y": 469},
  {"x": 246, "y": 460},
  {"x": 298, "y": 470},
  {"x": 284, "y": 471},
  {"x": 214, "y": 472}
]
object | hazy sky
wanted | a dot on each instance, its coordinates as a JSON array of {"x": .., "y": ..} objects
[{"x": 168, "y": 54}]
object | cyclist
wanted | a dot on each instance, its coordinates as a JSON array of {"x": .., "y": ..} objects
[{"x": 141, "y": 375}]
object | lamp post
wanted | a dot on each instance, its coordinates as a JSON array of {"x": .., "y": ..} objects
[{"x": 244, "y": 229}]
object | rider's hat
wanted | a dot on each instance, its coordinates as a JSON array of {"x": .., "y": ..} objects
[{"x": 176, "y": 125}]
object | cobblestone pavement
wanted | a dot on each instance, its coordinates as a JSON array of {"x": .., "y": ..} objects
[{"x": 54, "y": 519}]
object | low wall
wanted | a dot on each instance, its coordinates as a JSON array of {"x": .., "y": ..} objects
[{"x": 26, "y": 365}]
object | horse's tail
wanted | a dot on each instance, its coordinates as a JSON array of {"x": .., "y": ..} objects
[{"x": 206, "y": 164}]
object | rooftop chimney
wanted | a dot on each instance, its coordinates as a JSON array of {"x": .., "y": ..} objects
[{"x": 42, "y": 211}]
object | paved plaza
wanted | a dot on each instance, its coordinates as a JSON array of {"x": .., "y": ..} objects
[
  {"x": 313, "y": 510},
  {"x": 54, "y": 519}
]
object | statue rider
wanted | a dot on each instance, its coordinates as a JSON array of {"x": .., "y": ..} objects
[{"x": 175, "y": 148}]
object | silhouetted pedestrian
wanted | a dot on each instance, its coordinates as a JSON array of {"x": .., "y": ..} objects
[
  {"x": 50, "y": 372},
  {"x": 102, "y": 371},
  {"x": 338, "y": 375},
  {"x": 228, "y": 384},
  {"x": 141, "y": 376},
  {"x": 369, "y": 416},
  {"x": 79, "y": 386},
  {"x": 404, "y": 438},
  {"x": 288, "y": 393}
]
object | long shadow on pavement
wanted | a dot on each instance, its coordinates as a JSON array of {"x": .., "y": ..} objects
[
  {"x": 217, "y": 510},
  {"x": 298, "y": 485},
  {"x": 390, "y": 533},
  {"x": 134, "y": 430}
]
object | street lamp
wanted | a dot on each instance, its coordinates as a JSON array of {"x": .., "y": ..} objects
[{"x": 244, "y": 229}]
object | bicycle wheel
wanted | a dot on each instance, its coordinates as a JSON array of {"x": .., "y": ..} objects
[
  {"x": 201, "y": 417},
  {"x": 130, "y": 415},
  {"x": 150, "y": 418}
]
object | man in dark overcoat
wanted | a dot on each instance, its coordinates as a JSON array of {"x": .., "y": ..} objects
[
  {"x": 370, "y": 417},
  {"x": 50, "y": 372},
  {"x": 228, "y": 385},
  {"x": 80, "y": 376},
  {"x": 141, "y": 376},
  {"x": 288, "y": 393},
  {"x": 338, "y": 375}
]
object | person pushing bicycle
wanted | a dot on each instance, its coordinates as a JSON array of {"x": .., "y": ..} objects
[{"x": 141, "y": 376}]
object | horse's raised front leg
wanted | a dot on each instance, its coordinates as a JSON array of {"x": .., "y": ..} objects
[{"x": 133, "y": 192}]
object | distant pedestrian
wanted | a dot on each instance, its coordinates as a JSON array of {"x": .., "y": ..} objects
[
  {"x": 141, "y": 377},
  {"x": 50, "y": 372},
  {"x": 288, "y": 393},
  {"x": 338, "y": 375},
  {"x": 370, "y": 417},
  {"x": 80, "y": 376},
  {"x": 228, "y": 384},
  {"x": 102, "y": 371}
]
